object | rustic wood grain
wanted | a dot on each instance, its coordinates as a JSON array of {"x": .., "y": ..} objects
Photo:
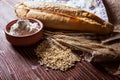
[{"x": 20, "y": 63}]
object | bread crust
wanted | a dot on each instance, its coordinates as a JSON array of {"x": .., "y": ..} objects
[{"x": 62, "y": 17}]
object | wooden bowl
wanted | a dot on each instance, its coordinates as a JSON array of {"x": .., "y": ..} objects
[{"x": 24, "y": 40}]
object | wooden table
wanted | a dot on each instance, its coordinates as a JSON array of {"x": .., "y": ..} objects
[{"x": 21, "y": 63}]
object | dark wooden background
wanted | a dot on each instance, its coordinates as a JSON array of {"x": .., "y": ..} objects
[{"x": 21, "y": 63}]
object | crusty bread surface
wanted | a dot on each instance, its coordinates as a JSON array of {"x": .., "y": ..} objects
[{"x": 61, "y": 17}]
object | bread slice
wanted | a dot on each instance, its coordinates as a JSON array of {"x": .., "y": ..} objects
[{"x": 61, "y": 17}]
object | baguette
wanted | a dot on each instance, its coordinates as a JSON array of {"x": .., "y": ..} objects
[{"x": 61, "y": 17}]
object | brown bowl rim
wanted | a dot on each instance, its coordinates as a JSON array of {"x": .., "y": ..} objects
[{"x": 38, "y": 21}]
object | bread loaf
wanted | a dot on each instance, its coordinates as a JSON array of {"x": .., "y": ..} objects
[{"x": 61, "y": 17}]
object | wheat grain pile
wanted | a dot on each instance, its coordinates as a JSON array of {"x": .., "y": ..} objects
[{"x": 55, "y": 56}]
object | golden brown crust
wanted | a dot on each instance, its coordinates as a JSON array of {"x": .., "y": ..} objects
[
  {"x": 62, "y": 9},
  {"x": 63, "y": 17}
]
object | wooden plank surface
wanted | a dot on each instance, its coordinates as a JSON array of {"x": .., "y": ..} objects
[{"x": 18, "y": 63}]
